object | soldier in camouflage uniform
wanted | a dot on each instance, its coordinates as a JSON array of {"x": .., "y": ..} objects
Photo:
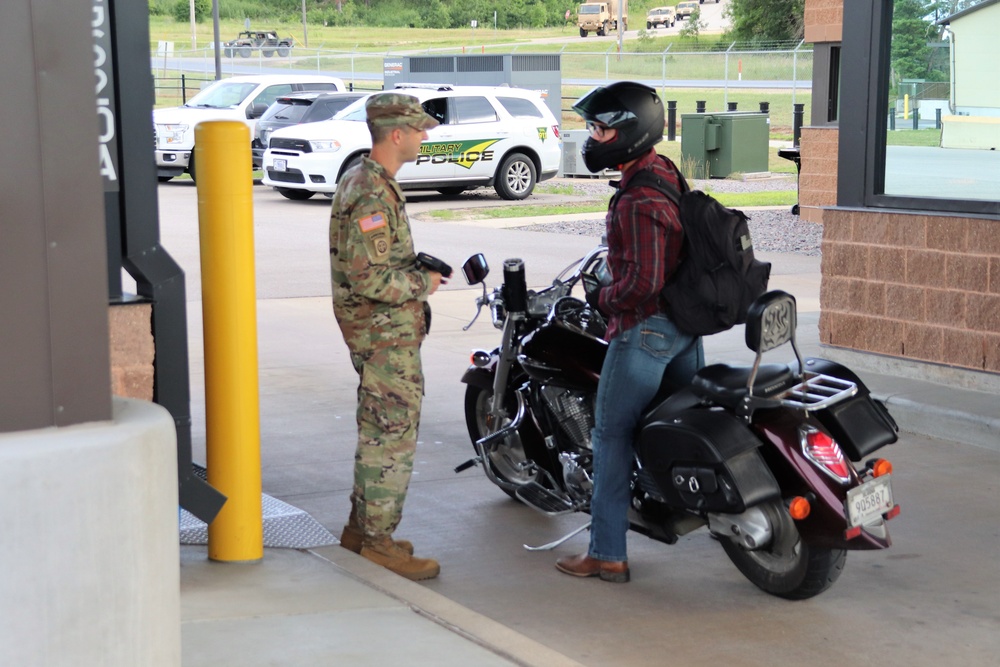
[{"x": 380, "y": 301}]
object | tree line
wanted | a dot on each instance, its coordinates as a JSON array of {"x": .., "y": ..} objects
[{"x": 914, "y": 21}]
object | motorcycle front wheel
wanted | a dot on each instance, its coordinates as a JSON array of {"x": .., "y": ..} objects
[
  {"x": 788, "y": 567},
  {"x": 507, "y": 459}
]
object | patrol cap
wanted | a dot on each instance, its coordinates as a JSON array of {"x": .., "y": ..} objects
[{"x": 393, "y": 109}]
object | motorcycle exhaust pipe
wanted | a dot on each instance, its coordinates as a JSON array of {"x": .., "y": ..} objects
[{"x": 515, "y": 286}]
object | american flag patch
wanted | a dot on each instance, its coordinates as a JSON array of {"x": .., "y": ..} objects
[{"x": 372, "y": 222}]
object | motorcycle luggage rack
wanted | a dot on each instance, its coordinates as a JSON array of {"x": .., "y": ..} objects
[
  {"x": 817, "y": 392},
  {"x": 771, "y": 322}
]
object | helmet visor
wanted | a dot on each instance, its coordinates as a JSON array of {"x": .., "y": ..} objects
[{"x": 604, "y": 107}]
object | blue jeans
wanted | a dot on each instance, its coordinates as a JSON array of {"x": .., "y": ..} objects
[{"x": 636, "y": 362}]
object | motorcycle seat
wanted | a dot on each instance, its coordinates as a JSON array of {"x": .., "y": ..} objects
[{"x": 727, "y": 385}]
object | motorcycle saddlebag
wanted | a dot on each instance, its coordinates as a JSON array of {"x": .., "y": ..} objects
[
  {"x": 704, "y": 459},
  {"x": 861, "y": 424}
]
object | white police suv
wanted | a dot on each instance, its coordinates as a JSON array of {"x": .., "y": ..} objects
[
  {"x": 243, "y": 98},
  {"x": 489, "y": 136}
]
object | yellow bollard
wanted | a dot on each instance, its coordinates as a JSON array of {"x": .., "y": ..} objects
[
  {"x": 229, "y": 307},
  {"x": 906, "y": 106}
]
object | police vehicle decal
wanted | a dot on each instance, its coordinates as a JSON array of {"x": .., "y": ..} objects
[{"x": 463, "y": 153}]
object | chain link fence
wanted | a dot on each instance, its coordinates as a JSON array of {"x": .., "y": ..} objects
[{"x": 720, "y": 75}]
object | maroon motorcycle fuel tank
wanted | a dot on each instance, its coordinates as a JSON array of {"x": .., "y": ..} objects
[{"x": 564, "y": 355}]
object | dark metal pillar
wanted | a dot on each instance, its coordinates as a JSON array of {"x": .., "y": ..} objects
[
  {"x": 134, "y": 201},
  {"x": 798, "y": 112},
  {"x": 54, "y": 356}
]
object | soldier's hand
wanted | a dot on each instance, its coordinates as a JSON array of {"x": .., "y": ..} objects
[{"x": 436, "y": 280}]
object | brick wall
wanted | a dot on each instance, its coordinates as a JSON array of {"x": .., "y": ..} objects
[
  {"x": 823, "y": 20},
  {"x": 132, "y": 350},
  {"x": 918, "y": 286},
  {"x": 818, "y": 177}
]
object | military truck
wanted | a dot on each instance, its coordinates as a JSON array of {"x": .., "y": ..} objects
[
  {"x": 266, "y": 41},
  {"x": 600, "y": 17},
  {"x": 686, "y": 9},
  {"x": 660, "y": 16}
]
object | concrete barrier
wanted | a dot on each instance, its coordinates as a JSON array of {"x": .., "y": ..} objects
[{"x": 89, "y": 556}]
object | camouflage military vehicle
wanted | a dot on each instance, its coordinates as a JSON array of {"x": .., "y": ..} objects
[{"x": 266, "y": 41}]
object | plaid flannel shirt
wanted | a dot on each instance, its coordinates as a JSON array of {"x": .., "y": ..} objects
[{"x": 644, "y": 245}]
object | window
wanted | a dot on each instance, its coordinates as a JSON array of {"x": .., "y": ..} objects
[
  {"x": 519, "y": 107},
  {"x": 925, "y": 95},
  {"x": 271, "y": 93},
  {"x": 473, "y": 110},
  {"x": 288, "y": 110},
  {"x": 222, "y": 94},
  {"x": 325, "y": 87},
  {"x": 826, "y": 82},
  {"x": 833, "y": 100},
  {"x": 437, "y": 109}
]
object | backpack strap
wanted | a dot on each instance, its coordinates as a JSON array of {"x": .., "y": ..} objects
[{"x": 648, "y": 178}]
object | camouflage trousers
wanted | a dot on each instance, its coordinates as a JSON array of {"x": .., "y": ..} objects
[{"x": 389, "y": 398}]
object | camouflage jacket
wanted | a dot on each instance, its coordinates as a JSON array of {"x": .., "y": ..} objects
[{"x": 379, "y": 293}]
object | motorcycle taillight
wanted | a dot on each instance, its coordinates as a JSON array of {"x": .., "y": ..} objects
[{"x": 824, "y": 451}]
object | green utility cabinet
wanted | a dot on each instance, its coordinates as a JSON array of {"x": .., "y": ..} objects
[{"x": 715, "y": 145}]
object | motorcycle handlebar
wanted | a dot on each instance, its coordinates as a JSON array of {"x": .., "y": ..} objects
[{"x": 515, "y": 286}]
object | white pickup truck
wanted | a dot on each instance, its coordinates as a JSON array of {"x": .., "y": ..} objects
[{"x": 244, "y": 98}]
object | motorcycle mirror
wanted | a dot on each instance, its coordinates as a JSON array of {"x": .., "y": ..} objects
[{"x": 475, "y": 269}]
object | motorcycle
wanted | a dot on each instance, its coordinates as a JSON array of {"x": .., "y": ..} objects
[{"x": 775, "y": 459}]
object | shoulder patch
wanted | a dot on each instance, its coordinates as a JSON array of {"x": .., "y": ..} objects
[{"x": 372, "y": 222}]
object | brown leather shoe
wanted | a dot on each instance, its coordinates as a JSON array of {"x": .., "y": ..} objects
[
  {"x": 351, "y": 538},
  {"x": 583, "y": 565},
  {"x": 383, "y": 551}
]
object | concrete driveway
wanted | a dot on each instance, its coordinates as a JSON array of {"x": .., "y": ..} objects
[{"x": 932, "y": 599}]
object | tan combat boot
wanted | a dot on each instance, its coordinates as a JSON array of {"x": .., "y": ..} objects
[
  {"x": 352, "y": 536},
  {"x": 383, "y": 551}
]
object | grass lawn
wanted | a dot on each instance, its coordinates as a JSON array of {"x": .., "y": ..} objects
[
  {"x": 931, "y": 138},
  {"x": 600, "y": 205}
]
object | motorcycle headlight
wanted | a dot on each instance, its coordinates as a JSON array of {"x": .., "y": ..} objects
[
  {"x": 167, "y": 134},
  {"x": 324, "y": 146}
]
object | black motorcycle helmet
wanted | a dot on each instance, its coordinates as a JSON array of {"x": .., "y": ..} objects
[{"x": 635, "y": 110}]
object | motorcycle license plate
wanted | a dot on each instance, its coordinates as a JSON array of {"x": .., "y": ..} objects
[
  {"x": 280, "y": 165},
  {"x": 869, "y": 501}
]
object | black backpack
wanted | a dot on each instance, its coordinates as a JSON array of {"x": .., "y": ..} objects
[{"x": 718, "y": 277}]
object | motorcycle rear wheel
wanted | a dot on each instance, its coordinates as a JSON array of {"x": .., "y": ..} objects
[
  {"x": 507, "y": 460},
  {"x": 788, "y": 568}
]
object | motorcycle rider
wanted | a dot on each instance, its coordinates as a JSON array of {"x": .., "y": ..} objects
[{"x": 626, "y": 121}]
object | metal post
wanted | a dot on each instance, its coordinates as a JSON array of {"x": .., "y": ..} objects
[
  {"x": 699, "y": 106},
  {"x": 215, "y": 36},
  {"x": 765, "y": 107},
  {"x": 229, "y": 302},
  {"x": 620, "y": 25},
  {"x": 795, "y": 68},
  {"x": 731, "y": 106},
  {"x": 671, "y": 120},
  {"x": 937, "y": 118},
  {"x": 892, "y": 116},
  {"x": 305, "y": 30},
  {"x": 797, "y": 114},
  {"x": 916, "y": 117}
]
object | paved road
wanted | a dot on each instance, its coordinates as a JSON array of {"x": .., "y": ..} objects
[{"x": 932, "y": 599}]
